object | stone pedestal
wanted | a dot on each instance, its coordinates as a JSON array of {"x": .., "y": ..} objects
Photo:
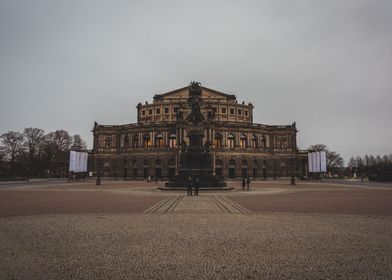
[{"x": 196, "y": 162}]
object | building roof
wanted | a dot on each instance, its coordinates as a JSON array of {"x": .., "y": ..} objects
[{"x": 159, "y": 97}]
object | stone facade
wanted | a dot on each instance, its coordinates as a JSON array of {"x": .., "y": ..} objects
[{"x": 151, "y": 147}]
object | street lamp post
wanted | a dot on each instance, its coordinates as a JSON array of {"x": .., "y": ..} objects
[
  {"x": 99, "y": 173},
  {"x": 292, "y": 181}
]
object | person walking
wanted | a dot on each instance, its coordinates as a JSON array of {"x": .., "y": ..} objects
[
  {"x": 189, "y": 186},
  {"x": 247, "y": 183},
  {"x": 197, "y": 185},
  {"x": 243, "y": 183}
]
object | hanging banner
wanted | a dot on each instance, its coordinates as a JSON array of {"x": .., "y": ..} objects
[
  {"x": 314, "y": 162},
  {"x": 310, "y": 162},
  {"x": 317, "y": 161},
  {"x": 323, "y": 161},
  {"x": 78, "y": 161}
]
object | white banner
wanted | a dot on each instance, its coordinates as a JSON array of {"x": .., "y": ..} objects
[
  {"x": 323, "y": 161},
  {"x": 310, "y": 162},
  {"x": 314, "y": 163},
  {"x": 318, "y": 164},
  {"x": 317, "y": 161},
  {"x": 72, "y": 160},
  {"x": 78, "y": 161}
]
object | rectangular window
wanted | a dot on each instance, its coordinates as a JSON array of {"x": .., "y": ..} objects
[
  {"x": 166, "y": 110},
  {"x": 239, "y": 112},
  {"x": 175, "y": 109},
  {"x": 143, "y": 112},
  {"x": 158, "y": 111},
  {"x": 150, "y": 111},
  {"x": 215, "y": 110},
  {"x": 223, "y": 110},
  {"x": 246, "y": 113},
  {"x": 231, "y": 111}
]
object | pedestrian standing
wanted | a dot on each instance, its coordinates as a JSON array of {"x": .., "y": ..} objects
[
  {"x": 243, "y": 183},
  {"x": 189, "y": 186},
  {"x": 247, "y": 183},
  {"x": 197, "y": 185}
]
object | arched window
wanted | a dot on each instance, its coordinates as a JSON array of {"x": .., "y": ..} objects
[
  {"x": 135, "y": 141},
  {"x": 230, "y": 140},
  {"x": 263, "y": 141},
  {"x": 172, "y": 140},
  {"x": 108, "y": 141},
  {"x": 146, "y": 140},
  {"x": 243, "y": 141},
  {"x": 126, "y": 141},
  {"x": 159, "y": 140},
  {"x": 218, "y": 140},
  {"x": 244, "y": 168},
  {"x": 254, "y": 141}
]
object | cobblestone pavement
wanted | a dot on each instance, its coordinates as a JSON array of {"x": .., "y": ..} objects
[{"x": 273, "y": 231}]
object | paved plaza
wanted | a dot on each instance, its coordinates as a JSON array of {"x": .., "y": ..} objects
[{"x": 131, "y": 230}]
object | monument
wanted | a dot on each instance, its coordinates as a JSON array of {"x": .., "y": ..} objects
[
  {"x": 159, "y": 143},
  {"x": 196, "y": 159}
]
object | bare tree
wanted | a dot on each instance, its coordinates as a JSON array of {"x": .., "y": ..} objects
[
  {"x": 13, "y": 142},
  {"x": 318, "y": 147},
  {"x": 78, "y": 143},
  {"x": 2, "y": 153},
  {"x": 352, "y": 163},
  {"x": 334, "y": 160},
  {"x": 56, "y": 147},
  {"x": 33, "y": 139}
]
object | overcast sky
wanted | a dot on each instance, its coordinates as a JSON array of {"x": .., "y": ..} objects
[{"x": 325, "y": 64}]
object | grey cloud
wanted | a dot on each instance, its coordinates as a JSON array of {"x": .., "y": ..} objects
[{"x": 324, "y": 64}]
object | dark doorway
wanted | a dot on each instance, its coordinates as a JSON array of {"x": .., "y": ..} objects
[
  {"x": 135, "y": 172},
  {"x": 145, "y": 172},
  {"x": 218, "y": 171},
  {"x": 158, "y": 172},
  {"x": 255, "y": 172},
  {"x": 172, "y": 172},
  {"x": 264, "y": 173},
  {"x": 125, "y": 173},
  {"x": 244, "y": 172},
  {"x": 231, "y": 172}
]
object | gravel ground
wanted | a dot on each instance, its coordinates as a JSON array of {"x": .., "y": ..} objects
[
  {"x": 37, "y": 202},
  {"x": 359, "y": 201},
  {"x": 83, "y": 231},
  {"x": 215, "y": 246}
]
